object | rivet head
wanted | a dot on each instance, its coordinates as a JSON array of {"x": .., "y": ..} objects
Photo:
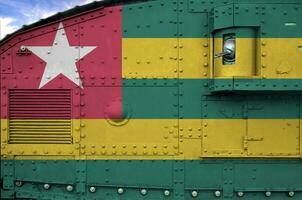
[
  {"x": 166, "y": 192},
  {"x": 120, "y": 190},
  {"x": 69, "y": 188},
  {"x": 194, "y": 193},
  {"x": 143, "y": 192},
  {"x": 22, "y": 48},
  {"x": 291, "y": 193},
  {"x": 217, "y": 193},
  {"x": 92, "y": 189},
  {"x": 240, "y": 194},
  {"x": 18, "y": 183},
  {"x": 46, "y": 186},
  {"x": 268, "y": 194}
]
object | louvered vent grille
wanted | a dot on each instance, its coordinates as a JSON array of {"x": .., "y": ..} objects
[{"x": 40, "y": 117}]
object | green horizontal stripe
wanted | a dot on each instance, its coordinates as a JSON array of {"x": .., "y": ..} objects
[
  {"x": 253, "y": 177},
  {"x": 198, "y": 19},
  {"x": 201, "y": 99}
]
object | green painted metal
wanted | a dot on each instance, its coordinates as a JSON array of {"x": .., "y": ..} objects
[
  {"x": 192, "y": 25},
  {"x": 154, "y": 19},
  {"x": 201, "y": 19},
  {"x": 248, "y": 32},
  {"x": 238, "y": 84},
  {"x": 179, "y": 177},
  {"x": 193, "y": 99}
]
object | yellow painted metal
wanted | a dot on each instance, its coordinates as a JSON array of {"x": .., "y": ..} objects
[
  {"x": 273, "y": 137},
  {"x": 264, "y": 57},
  {"x": 189, "y": 149},
  {"x": 138, "y": 137},
  {"x": 190, "y": 128},
  {"x": 194, "y": 57},
  {"x": 150, "y": 58},
  {"x": 245, "y": 62},
  {"x": 223, "y": 137},
  {"x": 40, "y": 131},
  {"x": 190, "y": 58},
  {"x": 35, "y": 148},
  {"x": 163, "y": 139},
  {"x": 281, "y": 58},
  {"x": 166, "y": 57},
  {"x": 251, "y": 138},
  {"x": 300, "y": 135}
]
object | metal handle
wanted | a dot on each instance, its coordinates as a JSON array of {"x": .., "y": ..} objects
[{"x": 218, "y": 55}]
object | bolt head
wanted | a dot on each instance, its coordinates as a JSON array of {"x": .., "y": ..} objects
[
  {"x": 23, "y": 48},
  {"x": 194, "y": 193},
  {"x": 166, "y": 192},
  {"x": 291, "y": 193},
  {"x": 46, "y": 186},
  {"x": 69, "y": 188},
  {"x": 217, "y": 193},
  {"x": 92, "y": 189},
  {"x": 240, "y": 194},
  {"x": 120, "y": 190},
  {"x": 18, "y": 183},
  {"x": 268, "y": 194},
  {"x": 143, "y": 192}
]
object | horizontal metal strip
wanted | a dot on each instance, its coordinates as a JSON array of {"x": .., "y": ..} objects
[
  {"x": 33, "y": 106},
  {"x": 39, "y": 121},
  {"x": 40, "y": 117},
  {"x": 41, "y": 142},
  {"x": 37, "y": 126},
  {"x": 38, "y": 131}
]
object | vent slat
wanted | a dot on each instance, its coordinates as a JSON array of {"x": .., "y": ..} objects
[{"x": 40, "y": 116}]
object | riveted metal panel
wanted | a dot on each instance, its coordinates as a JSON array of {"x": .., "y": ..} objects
[
  {"x": 223, "y": 136},
  {"x": 277, "y": 19},
  {"x": 205, "y": 6},
  {"x": 145, "y": 174},
  {"x": 255, "y": 84},
  {"x": 52, "y": 171},
  {"x": 189, "y": 107},
  {"x": 203, "y": 175},
  {"x": 178, "y": 171},
  {"x": 248, "y": 14},
  {"x": 223, "y": 16},
  {"x": 300, "y": 123},
  {"x": 152, "y": 19},
  {"x": 6, "y": 62},
  {"x": 148, "y": 127},
  {"x": 126, "y": 179},
  {"x": 281, "y": 63},
  {"x": 274, "y": 138},
  {"x": 103, "y": 66},
  {"x": 192, "y": 25},
  {"x": 150, "y": 58},
  {"x": 261, "y": 176}
]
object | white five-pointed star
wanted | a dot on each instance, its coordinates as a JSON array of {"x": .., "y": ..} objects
[{"x": 61, "y": 58}]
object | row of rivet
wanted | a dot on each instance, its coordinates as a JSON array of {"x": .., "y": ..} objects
[
  {"x": 144, "y": 192},
  {"x": 241, "y": 194},
  {"x": 92, "y": 189}
]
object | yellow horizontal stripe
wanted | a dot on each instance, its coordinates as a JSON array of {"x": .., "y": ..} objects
[
  {"x": 168, "y": 139},
  {"x": 150, "y": 58},
  {"x": 193, "y": 58}
]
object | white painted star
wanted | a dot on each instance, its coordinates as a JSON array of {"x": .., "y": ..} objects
[{"x": 61, "y": 58}]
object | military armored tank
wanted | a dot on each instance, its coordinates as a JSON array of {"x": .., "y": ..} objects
[{"x": 158, "y": 99}]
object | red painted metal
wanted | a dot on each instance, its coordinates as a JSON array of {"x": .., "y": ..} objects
[{"x": 100, "y": 71}]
